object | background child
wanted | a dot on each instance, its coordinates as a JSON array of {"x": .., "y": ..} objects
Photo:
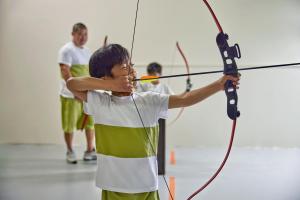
[
  {"x": 154, "y": 69},
  {"x": 73, "y": 61}
]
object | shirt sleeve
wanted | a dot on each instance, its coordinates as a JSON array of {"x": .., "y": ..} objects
[
  {"x": 94, "y": 102},
  {"x": 161, "y": 104},
  {"x": 64, "y": 57}
]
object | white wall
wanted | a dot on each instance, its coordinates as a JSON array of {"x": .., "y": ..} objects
[{"x": 268, "y": 32}]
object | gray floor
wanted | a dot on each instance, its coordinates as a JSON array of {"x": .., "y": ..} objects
[{"x": 30, "y": 172}]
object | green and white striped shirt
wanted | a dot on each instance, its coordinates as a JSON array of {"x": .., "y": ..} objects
[{"x": 126, "y": 159}]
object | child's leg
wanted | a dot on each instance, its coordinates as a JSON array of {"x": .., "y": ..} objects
[
  {"x": 70, "y": 110},
  {"x": 109, "y": 195},
  {"x": 68, "y": 119},
  {"x": 88, "y": 125},
  {"x": 90, "y": 153},
  {"x": 90, "y": 135},
  {"x": 69, "y": 141}
]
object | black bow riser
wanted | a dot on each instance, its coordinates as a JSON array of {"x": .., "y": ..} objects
[{"x": 229, "y": 53}]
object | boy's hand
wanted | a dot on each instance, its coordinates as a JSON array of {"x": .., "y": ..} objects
[
  {"x": 132, "y": 76},
  {"x": 235, "y": 81},
  {"x": 121, "y": 84}
]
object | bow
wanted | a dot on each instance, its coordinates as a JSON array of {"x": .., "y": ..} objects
[
  {"x": 188, "y": 81},
  {"x": 105, "y": 41},
  {"x": 228, "y": 54}
]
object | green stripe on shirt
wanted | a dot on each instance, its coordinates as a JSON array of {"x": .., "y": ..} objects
[
  {"x": 79, "y": 70},
  {"x": 126, "y": 142}
]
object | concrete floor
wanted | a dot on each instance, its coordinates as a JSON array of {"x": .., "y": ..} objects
[{"x": 30, "y": 172}]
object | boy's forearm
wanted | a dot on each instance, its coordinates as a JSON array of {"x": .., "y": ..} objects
[
  {"x": 200, "y": 94},
  {"x": 194, "y": 96},
  {"x": 81, "y": 84}
]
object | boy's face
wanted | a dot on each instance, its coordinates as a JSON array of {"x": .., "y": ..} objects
[
  {"x": 80, "y": 37},
  {"x": 154, "y": 74}
]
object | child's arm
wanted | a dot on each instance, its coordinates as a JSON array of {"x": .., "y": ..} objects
[
  {"x": 80, "y": 85},
  {"x": 65, "y": 71},
  {"x": 195, "y": 96}
]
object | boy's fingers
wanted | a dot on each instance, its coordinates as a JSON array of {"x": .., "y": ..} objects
[
  {"x": 232, "y": 78},
  {"x": 131, "y": 78}
]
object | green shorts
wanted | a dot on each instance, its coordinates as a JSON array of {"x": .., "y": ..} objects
[
  {"x": 108, "y": 195},
  {"x": 73, "y": 117}
]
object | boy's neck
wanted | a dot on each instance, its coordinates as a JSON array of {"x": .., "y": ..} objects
[
  {"x": 121, "y": 94},
  {"x": 77, "y": 45}
]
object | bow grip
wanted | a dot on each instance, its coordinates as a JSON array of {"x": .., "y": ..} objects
[
  {"x": 188, "y": 85},
  {"x": 229, "y": 53}
]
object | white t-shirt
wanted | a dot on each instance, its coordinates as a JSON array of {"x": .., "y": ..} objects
[
  {"x": 72, "y": 55},
  {"x": 159, "y": 88},
  {"x": 125, "y": 160}
]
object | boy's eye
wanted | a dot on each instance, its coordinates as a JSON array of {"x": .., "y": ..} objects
[{"x": 125, "y": 66}]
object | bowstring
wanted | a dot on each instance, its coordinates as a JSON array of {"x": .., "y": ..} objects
[{"x": 138, "y": 112}]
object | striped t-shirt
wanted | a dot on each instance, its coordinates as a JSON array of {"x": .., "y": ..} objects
[
  {"x": 126, "y": 158},
  {"x": 77, "y": 58}
]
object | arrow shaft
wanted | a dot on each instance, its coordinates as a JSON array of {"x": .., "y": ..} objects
[{"x": 221, "y": 71}]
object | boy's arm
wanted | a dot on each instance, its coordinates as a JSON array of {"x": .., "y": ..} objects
[
  {"x": 195, "y": 96},
  {"x": 65, "y": 71},
  {"x": 80, "y": 85}
]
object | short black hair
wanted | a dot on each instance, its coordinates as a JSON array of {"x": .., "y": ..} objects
[
  {"x": 154, "y": 68},
  {"x": 78, "y": 27},
  {"x": 103, "y": 60}
]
